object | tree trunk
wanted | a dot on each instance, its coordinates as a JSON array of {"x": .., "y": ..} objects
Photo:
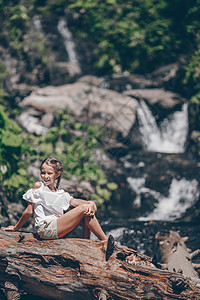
[
  {"x": 174, "y": 254},
  {"x": 77, "y": 269}
]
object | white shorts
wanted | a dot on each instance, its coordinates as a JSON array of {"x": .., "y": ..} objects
[{"x": 48, "y": 229}]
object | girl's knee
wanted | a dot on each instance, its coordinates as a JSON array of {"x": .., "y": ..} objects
[{"x": 82, "y": 208}]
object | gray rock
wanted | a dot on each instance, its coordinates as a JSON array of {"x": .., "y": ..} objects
[
  {"x": 47, "y": 120},
  {"x": 164, "y": 77},
  {"x": 34, "y": 171},
  {"x": 165, "y": 99},
  {"x": 31, "y": 123},
  {"x": 121, "y": 82},
  {"x": 102, "y": 106},
  {"x": 92, "y": 80}
]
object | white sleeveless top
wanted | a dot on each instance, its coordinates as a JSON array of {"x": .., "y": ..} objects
[{"x": 48, "y": 204}]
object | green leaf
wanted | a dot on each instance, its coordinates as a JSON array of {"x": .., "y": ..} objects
[
  {"x": 22, "y": 172},
  {"x": 104, "y": 193},
  {"x": 112, "y": 186},
  {"x": 98, "y": 198},
  {"x": 10, "y": 139}
]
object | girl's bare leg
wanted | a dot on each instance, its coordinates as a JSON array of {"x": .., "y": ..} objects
[
  {"x": 69, "y": 221},
  {"x": 93, "y": 224},
  {"x": 86, "y": 230}
]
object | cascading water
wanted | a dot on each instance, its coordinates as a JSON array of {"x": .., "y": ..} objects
[
  {"x": 164, "y": 144},
  {"x": 170, "y": 137},
  {"x": 37, "y": 24},
  {"x": 69, "y": 46},
  {"x": 72, "y": 64},
  {"x": 182, "y": 194}
]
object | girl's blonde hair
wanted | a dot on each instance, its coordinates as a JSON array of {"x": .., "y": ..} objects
[{"x": 56, "y": 164}]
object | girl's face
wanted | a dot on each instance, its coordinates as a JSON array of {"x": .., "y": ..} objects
[{"x": 48, "y": 175}]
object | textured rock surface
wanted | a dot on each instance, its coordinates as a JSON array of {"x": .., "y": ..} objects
[
  {"x": 163, "y": 98},
  {"x": 105, "y": 107}
]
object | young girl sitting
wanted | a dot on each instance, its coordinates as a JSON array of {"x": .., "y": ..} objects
[{"x": 48, "y": 204}]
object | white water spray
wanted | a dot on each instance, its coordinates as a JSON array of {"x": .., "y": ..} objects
[
  {"x": 37, "y": 24},
  {"x": 182, "y": 195},
  {"x": 172, "y": 134}
]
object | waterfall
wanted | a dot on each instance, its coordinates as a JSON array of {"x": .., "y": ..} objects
[
  {"x": 37, "y": 24},
  {"x": 69, "y": 46},
  {"x": 170, "y": 137},
  {"x": 182, "y": 194}
]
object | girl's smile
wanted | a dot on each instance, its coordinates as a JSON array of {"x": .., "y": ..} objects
[{"x": 48, "y": 176}]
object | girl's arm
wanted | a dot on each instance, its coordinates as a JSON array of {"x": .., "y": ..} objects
[
  {"x": 90, "y": 205},
  {"x": 28, "y": 212}
]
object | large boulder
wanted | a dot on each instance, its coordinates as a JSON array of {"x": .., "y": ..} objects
[
  {"x": 164, "y": 77},
  {"x": 165, "y": 99},
  {"x": 102, "y": 106}
]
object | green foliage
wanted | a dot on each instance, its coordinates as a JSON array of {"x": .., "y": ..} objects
[
  {"x": 195, "y": 113},
  {"x": 112, "y": 186},
  {"x": 195, "y": 99},
  {"x": 2, "y": 91},
  {"x": 18, "y": 34},
  {"x": 13, "y": 155},
  {"x": 14, "y": 21},
  {"x": 133, "y": 35},
  {"x": 191, "y": 84},
  {"x": 192, "y": 71}
]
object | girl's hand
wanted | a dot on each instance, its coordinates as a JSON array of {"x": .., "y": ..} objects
[
  {"x": 90, "y": 209},
  {"x": 10, "y": 228}
]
